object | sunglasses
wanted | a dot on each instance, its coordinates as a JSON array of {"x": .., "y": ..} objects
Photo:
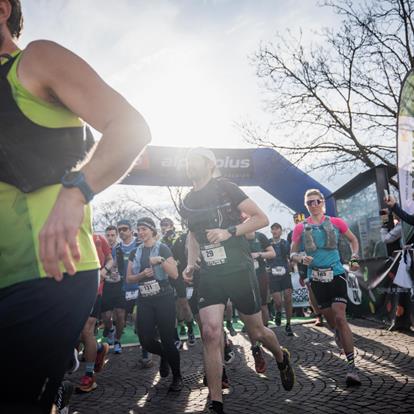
[
  {"x": 314, "y": 203},
  {"x": 123, "y": 228}
]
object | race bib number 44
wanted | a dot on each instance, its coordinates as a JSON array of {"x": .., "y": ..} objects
[{"x": 214, "y": 254}]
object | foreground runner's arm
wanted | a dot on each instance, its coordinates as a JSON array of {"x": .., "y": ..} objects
[
  {"x": 193, "y": 255},
  {"x": 58, "y": 76},
  {"x": 257, "y": 220}
]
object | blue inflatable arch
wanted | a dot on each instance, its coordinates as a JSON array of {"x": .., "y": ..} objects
[{"x": 261, "y": 167}]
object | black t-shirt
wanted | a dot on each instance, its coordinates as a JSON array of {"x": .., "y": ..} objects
[
  {"x": 212, "y": 207},
  {"x": 259, "y": 244},
  {"x": 179, "y": 252}
]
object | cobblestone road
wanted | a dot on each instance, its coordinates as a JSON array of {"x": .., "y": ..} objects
[{"x": 386, "y": 361}]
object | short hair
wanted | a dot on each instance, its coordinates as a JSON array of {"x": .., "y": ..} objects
[
  {"x": 15, "y": 21},
  {"x": 111, "y": 227},
  {"x": 276, "y": 226},
  {"x": 314, "y": 191}
]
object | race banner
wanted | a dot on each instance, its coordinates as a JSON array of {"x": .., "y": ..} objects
[{"x": 405, "y": 149}]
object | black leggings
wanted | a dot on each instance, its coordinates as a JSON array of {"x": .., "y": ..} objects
[
  {"x": 41, "y": 320},
  {"x": 159, "y": 312}
]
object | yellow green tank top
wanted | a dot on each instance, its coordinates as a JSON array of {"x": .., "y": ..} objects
[{"x": 22, "y": 215}]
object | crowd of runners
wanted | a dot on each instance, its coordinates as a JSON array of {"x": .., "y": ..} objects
[{"x": 58, "y": 283}]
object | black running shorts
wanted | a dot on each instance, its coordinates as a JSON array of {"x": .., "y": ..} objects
[
  {"x": 42, "y": 320},
  {"x": 332, "y": 292},
  {"x": 280, "y": 283},
  {"x": 113, "y": 297},
  {"x": 240, "y": 287}
]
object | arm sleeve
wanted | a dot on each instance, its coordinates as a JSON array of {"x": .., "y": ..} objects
[
  {"x": 392, "y": 235},
  {"x": 236, "y": 194},
  {"x": 165, "y": 251},
  {"x": 403, "y": 215},
  {"x": 297, "y": 233},
  {"x": 340, "y": 224}
]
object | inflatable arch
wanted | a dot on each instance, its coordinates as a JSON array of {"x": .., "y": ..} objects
[{"x": 261, "y": 167}]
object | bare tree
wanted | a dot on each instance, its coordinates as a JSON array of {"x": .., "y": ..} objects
[{"x": 335, "y": 104}]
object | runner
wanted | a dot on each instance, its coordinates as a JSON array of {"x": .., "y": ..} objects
[
  {"x": 111, "y": 235},
  {"x": 48, "y": 261},
  {"x": 176, "y": 243},
  {"x": 95, "y": 353},
  {"x": 280, "y": 280},
  {"x": 212, "y": 211},
  {"x": 318, "y": 237},
  {"x": 150, "y": 267},
  {"x": 261, "y": 250}
]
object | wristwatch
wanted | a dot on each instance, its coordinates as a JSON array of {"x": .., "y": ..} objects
[
  {"x": 77, "y": 179},
  {"x": 232, "y": 230}
]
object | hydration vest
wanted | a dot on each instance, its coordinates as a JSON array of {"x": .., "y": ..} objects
[
  {"x": 198, "y": 220},
  {"x": 331, "y": 237},
  {"x": 34, "y": 156}
]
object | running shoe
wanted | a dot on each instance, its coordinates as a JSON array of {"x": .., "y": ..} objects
[
  {"x": 146, "y": 363},
  {"x": 215, "y": 410},
  {"x": 230, "y": 328},
  {"x": 100, "y": 357},
  {"x": 110, "y": 339},
  {"x": 278, "y": 319},
  {"x": 176, "y": 385},
  {"x": 87, "y": 384},
  {"x": 179, "y": 344},
  {"x": 259, "y": 360},
  {"x": 182, "y": 330},
  {"x": 63, "y": 395},
  {"x": 191, "y": 339},
  {"x": 318, "y": 320},
  {"x": 352, "y": 377},
  {"x": 288, "y": 330},
  {"x": 74, "y": 362},
  {"x": 287, "y": 374},
  {"x": 117, "y": 348},
  {"x": 164, "y": 368}
]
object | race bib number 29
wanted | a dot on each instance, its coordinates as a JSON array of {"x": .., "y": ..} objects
[{"x": 214, "y": 254}]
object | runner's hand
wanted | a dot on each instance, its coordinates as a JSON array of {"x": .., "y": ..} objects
[
  {"x": 307, "y": 260},
  {"x": 255, "y": 255},
  {"x": 148, "y": 272},
  {"x": 354, "y": 266},
  {"x": 155, "y": 260},
  {"x": 58, "y": 239},
  {"x": 188, "y": 274},
  {"x": 217, "y": 235},
  {"x": 390, "y": 201}
]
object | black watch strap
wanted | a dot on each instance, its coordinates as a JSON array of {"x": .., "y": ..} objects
[{"x": 232, "y": 230}]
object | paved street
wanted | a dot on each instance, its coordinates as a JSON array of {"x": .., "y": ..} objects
[{"x": 385, "y": 359}]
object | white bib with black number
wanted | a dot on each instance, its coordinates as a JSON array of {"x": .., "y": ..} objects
[
  {"x": 322, "y": 275},
  {"x": 278, "y": 271},
  {"x": 150, "y": 288},
  {"x": 214, "y": 254},
  {"x": 131, "y": 294}
]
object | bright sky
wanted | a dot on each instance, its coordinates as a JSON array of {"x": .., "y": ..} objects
[{"x": 184, "y": 64}]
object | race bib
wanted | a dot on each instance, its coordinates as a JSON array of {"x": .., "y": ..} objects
[
  {"x": 131, "y": 294},
  {"x": 214, "y": 254},
  {"x": 256, "y": 264},
  {"x": 278, "y": 271},
  {"x": 322, "y": 275},
  {"x": 150, "y": 288}
]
